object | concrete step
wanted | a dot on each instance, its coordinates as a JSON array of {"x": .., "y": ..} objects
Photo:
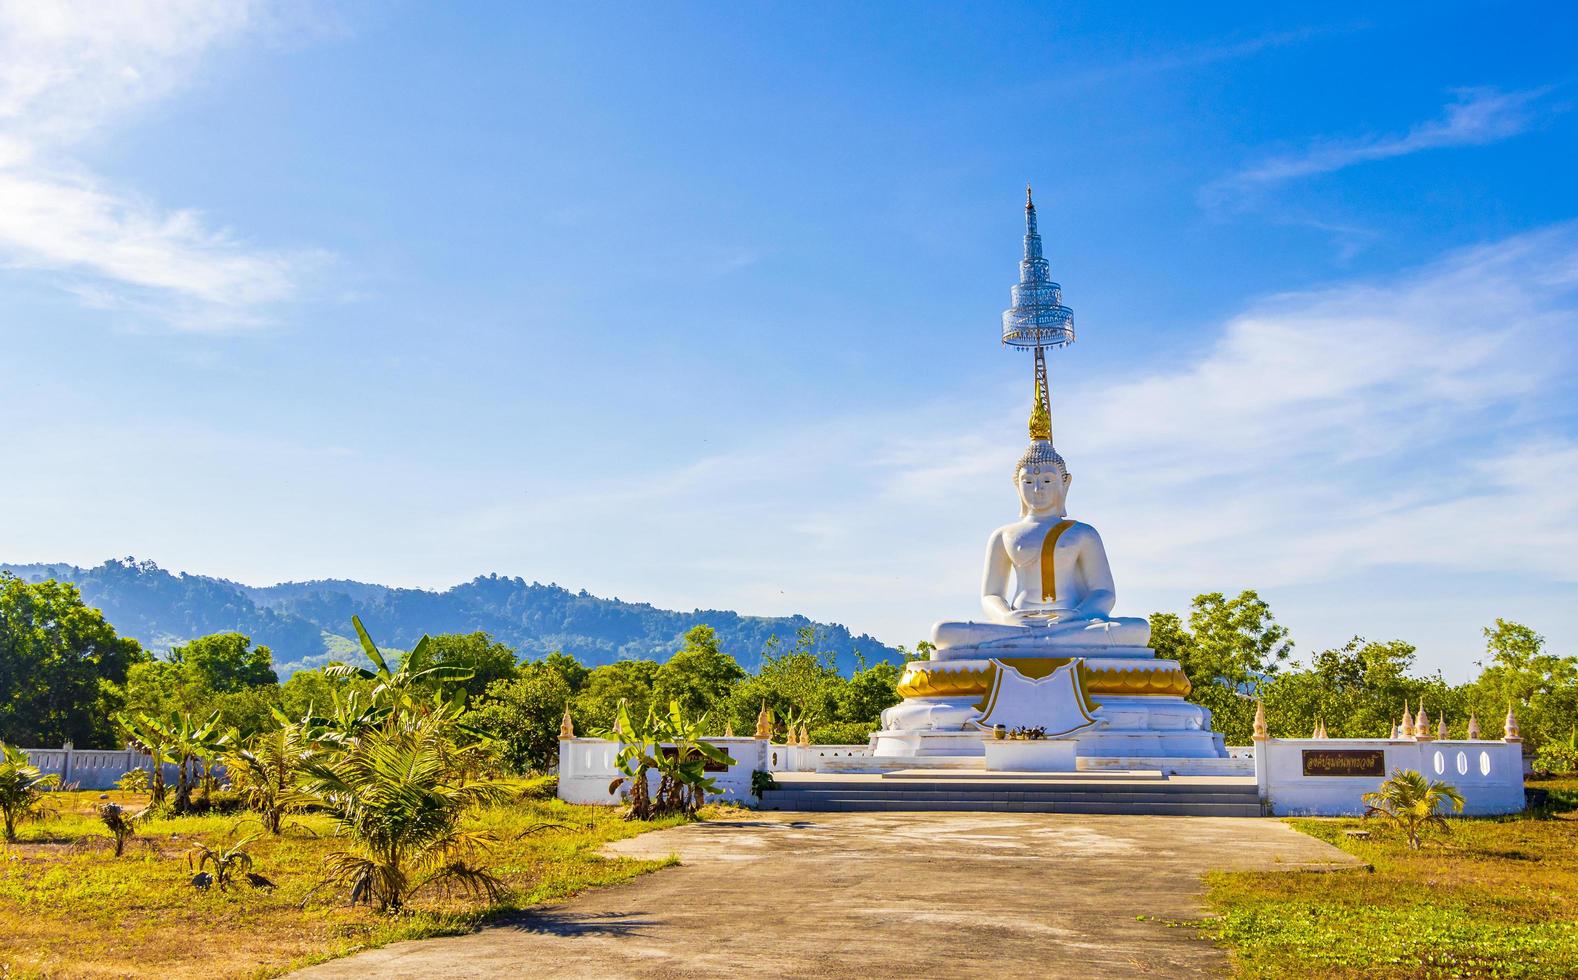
[
  {"x": 1231, "y": 797},
  {"x": 955, "y": 788},
  {"x": 854, "y": 794},
  {"x": 867, "y": 805}
]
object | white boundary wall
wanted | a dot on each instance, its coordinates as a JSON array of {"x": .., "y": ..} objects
[
  {"x": 1488, "y": 774},
  {"x": 588, "y": 765},
  {"x": 93, "y": 768}
]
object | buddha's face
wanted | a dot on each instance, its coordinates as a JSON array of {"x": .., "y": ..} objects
[{"x": 1042, "y": 488}]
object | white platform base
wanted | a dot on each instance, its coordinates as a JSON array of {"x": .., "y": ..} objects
[{"x": 1018, "y": 755}]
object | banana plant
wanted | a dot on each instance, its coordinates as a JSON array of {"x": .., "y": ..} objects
[
  {"x": 151, "y": 737},
  {"x": 685, "y": 784},
  {"x": 673, "y": 747},
  {"x": 398, "y": 687},
  {"x": 639, "y": 749}
]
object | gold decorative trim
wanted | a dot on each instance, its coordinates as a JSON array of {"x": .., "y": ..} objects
[
  {"x": 930, "y": 680},
  {"x": 939, "y": 679},
  {"x": 1146, "y": 680}
]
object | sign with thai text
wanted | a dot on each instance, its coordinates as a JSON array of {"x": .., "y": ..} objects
[{"x": 1344, "y": 762}]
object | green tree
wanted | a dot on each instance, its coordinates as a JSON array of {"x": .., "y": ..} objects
[
  {"x": 1358, "y": 690},
  {"x": 223, "y": 662},
  {"x": 572, "y": 670},
  {"x": 802, "y": 683},
  {"x": 1518, "y": 671},
  {"x": 62, "y": 667},
  {"x": 401, "y": 687},
  {"x": 313, "y": 692},
  {"x": 699, "y": 676},
  {"x": 1236, "y": 640},
  {"x": 1230, "y": 647},
  {"x": 629, "y": 681},
  {"x": 486, "y": 659},
  {"x": 522, "y": 715},
  {"x": 869, "y": 690}
]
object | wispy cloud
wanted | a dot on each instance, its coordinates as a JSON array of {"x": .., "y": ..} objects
[
  {"x": 69, "y": 73},
  {"x": 1475, "y": 117}
]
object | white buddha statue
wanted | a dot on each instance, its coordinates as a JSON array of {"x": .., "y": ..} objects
[{"x": 1047, "y": 582}]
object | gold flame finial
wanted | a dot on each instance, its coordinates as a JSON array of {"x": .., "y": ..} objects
[
  {"x": 1261, "y": 734},
  {"x": 566, "y": 726},
  {"x": 1511, "y": 732},
  {"x": 1028, "y": 203},
  {"x": 1040, "y": 418}
]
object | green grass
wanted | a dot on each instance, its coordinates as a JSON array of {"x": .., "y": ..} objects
[
  {"x": 68, "y": 907},
  {"x": 1494, "y": 898}
]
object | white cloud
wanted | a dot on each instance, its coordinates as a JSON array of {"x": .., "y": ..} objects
[
  {"x": 1475, "y": 117},
  {"x": 70, "y": 72},
  {"x": 1408, "y": 423}
]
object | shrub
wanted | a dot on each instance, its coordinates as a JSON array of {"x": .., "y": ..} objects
[
  {"x": 844, "y": 732},
  {"x": 133, "y": 781},
  {"x": 1557, "y": 758}
]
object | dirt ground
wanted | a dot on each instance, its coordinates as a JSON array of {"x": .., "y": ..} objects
[{"x": 883, "y": 895}]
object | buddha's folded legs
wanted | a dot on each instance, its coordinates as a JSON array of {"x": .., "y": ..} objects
[{"x": 1120, "y": 632}]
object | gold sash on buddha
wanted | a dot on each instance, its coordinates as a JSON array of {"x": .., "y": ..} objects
[{"x": 1048, "y": 567}]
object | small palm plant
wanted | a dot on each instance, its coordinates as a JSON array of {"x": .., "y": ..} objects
[
  {"x": 120, "y": 823},
  {"x": 229, "y": 859},
  {"x": 1411, "y": 803},
  {"x": 398, "y": 793},
  {"x": 22, "y": 788},
  {"x": 264, "y": 771}
]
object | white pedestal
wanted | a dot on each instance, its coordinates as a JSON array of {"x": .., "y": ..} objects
[{"x": 1026, "y": 755}]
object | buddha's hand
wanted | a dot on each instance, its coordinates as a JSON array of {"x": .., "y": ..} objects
[{"x": 1034, "y": 617}]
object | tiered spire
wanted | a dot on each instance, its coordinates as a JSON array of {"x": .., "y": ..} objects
[{"x": 1038, "y": 317}]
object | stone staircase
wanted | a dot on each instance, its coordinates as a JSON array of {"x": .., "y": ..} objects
[{"x": 918, "y": 790}]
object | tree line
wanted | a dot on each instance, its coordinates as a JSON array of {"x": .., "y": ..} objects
[{"x": 65, "y": 674}]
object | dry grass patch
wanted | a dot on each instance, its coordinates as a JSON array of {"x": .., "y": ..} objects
[
  {"x": 1495, "y": 898},
  {"x": 68, "y": 907}
]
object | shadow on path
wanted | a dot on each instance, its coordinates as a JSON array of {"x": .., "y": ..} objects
[{"x": 560, "y": 921}]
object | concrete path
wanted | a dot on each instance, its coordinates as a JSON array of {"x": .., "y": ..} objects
[{"x": 863, "y": 896}]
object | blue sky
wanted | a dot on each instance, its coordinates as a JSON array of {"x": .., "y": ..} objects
[{"x": 698, "y": 305}]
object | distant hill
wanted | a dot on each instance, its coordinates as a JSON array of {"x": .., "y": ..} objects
[{"x": 308, "y": 624}]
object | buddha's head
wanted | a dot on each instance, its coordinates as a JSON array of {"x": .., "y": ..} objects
[{"x": 1042, "y": 479}]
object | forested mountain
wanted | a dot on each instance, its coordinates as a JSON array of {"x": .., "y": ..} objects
[{"x": 307, "y": 624}]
